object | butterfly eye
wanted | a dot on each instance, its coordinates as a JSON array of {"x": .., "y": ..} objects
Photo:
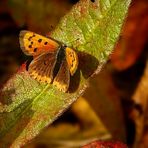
[{"x": 64, "y": 46}]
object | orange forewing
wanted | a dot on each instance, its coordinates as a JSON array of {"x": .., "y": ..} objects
[
  {"x": 72, "y": 60},
  {"x": 35, "y": 44}
]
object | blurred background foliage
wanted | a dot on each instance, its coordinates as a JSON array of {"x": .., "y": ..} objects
[{"x": 115, "y": 106}]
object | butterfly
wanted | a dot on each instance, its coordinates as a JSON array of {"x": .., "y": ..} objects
[{"x": 53, "y": 62}]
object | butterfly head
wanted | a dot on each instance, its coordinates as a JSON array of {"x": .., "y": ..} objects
[{"x": 63, "y": 46}]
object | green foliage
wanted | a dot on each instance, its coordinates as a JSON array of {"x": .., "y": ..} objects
[{"x": 27, "y": 107}]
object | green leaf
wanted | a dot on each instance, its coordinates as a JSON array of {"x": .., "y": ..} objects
[{"x": 27, "y": 106}]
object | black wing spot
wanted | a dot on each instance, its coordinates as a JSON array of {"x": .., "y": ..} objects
[
  {"x": 45, "y": 43},
  {"x": 29, "y": 39},
  {"x": 35, "y": 49},
  {"x": 30, "y": 46},
  {"x": 31, "y": 42},
  {"x": 40, "y": 40}
]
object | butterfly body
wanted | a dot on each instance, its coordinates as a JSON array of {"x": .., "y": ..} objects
[{"x": 53, "y": 62}]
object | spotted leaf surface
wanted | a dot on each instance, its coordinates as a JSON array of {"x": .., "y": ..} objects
[{"x": 26, "y": 106}]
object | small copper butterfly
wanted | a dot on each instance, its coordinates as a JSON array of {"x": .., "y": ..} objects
[{"x": 53, "y": 62}]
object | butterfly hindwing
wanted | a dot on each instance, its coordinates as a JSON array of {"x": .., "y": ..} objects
[
  {"x": 41, "y": 68},
  {"x": 62, "y": 79},
  {"x": 72, "y": 60},
  {"x": 35, "y": 44}
]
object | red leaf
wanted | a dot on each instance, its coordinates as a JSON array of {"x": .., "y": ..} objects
[
  {"x": 133, "y": 38},
  {"x": 102, "y": 144}
]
